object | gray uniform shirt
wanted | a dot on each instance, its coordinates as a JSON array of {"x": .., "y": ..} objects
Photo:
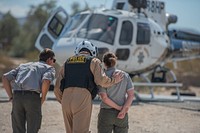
[
  {"x": 117, "y": 93},
  {"x": 29, "y": 76}
]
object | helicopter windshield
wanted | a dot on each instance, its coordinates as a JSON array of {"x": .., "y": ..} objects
[
  {"x": 99, "y": 27},
  {"x": 75, "y": 22}
]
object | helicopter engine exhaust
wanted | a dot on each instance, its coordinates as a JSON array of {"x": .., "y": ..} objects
[{"x": 184, "y": 43}]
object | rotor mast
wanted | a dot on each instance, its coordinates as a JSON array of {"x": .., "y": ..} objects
[{"x": 154, "y": 9}]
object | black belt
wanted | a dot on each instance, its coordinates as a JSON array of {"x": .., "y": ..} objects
[
  {"x": 25, "y": 92},
  {"x": 113, "y": 109}
]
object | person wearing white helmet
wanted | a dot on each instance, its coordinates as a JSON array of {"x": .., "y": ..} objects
[
  {"x": 82, "y": 74},
  {"x": 87, "y": 47}
]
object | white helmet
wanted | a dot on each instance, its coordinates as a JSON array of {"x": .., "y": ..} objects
[{"x": 86, "y": 46}]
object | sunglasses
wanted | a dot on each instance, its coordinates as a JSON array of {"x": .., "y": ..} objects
[{"x": 54, "y": 60}]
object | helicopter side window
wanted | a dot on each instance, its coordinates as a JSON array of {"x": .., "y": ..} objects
[
  {"x": 126, "y": 33},
  {"x": 143, "y": 33},
  {"x": 57, "y": 24},
  {"x": 122, "y": 54},
  {"x": 99, "y": 27}
]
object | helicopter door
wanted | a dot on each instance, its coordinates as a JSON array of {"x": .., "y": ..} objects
[
  {"x": 52, "y": 30},
  {"x": 126, "y": 33},
  {"x": 123, "y": 51}
]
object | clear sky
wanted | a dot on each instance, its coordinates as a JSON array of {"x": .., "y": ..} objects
[{"x": 186, "y": 10}]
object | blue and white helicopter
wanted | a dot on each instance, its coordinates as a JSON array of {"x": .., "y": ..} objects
[{"x": 135, "y": 30}]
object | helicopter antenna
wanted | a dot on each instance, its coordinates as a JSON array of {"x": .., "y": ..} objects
[
  {"x": 87, "y": 5},
  {"x": 105, "y": 3}
]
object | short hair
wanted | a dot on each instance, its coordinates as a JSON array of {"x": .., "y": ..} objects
[
  {"x": 109, "y": 59},
  {"x": 46, "y": 54}
]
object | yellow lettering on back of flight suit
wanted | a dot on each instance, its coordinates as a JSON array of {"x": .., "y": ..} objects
[{"x": 77, "y": 59}]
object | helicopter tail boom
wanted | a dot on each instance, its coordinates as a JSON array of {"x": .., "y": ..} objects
[{"x": 185, "y": 44}]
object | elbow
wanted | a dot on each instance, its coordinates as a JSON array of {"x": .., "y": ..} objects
[
  {"x": 104, "y": 98},
  {"x": 47, "y": 81},
  {"x": 130, "y": 96},
  {"x": 4, "y": 79}
]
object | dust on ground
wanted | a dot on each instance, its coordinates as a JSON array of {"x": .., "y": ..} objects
[
  {"x": 143, "y": 118},
  {"x": 153, "y": 117}
]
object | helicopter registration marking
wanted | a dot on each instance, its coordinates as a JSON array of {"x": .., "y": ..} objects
[
  {"x": 77, "y": 59},
  {"x": 155, "y": 6}
]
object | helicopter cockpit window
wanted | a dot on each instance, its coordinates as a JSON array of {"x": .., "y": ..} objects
[
  {"x": 99, "y": 27},
  {"x": 75, "y": 22},
  {"x": 126, "y": 33},
  {"x": 57, "y": 24},
  {"x": 143, "y": 33}
]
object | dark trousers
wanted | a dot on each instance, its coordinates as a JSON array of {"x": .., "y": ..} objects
[
  {"x": 26, "y": 110},
  {"x": 108, "y": 122}
]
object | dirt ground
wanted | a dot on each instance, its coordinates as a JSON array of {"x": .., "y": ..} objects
[{"x": 143, "y": 118}]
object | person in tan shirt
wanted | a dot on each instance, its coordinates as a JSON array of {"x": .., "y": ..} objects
[{"x": 82, "y": 73}]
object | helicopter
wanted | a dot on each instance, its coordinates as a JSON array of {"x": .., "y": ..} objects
[{"x": 135, "y": 30}]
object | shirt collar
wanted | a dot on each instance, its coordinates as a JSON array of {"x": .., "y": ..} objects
[{"x": 110, "y": 68}]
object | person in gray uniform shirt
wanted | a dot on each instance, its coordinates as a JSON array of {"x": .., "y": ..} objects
[
  {"x": 113, "y": 115},
  {"x": 27, "y": 86}
]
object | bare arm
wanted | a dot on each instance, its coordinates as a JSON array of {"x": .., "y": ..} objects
[
  {"x": 127, "y": 104},
  {"x": 109, "y": 102},
  {"x": 129, "y": 100},
  {"x": 45, "y": 88},
  {"x": 7, "y": 86}
]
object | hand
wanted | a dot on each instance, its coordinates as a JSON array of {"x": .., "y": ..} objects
[
  {"x": 118, "y": 76},
  {"x": 121, "y": 115}
]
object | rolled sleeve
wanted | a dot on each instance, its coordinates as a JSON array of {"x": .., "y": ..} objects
[
  {"x": 101, "y": 89},
  {"x": 130, "y": 85},
  {"x": 49, "y": 74},
  {"x": 11, "y": 75}
]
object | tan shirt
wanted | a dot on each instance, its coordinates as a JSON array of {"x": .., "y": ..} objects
[{"x": 100, "y": 77}]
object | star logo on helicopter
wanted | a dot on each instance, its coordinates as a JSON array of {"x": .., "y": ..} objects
[{"x": 140, "y": 57}]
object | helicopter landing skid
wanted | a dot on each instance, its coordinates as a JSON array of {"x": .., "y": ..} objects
[{"x": 158, "y": 81}]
